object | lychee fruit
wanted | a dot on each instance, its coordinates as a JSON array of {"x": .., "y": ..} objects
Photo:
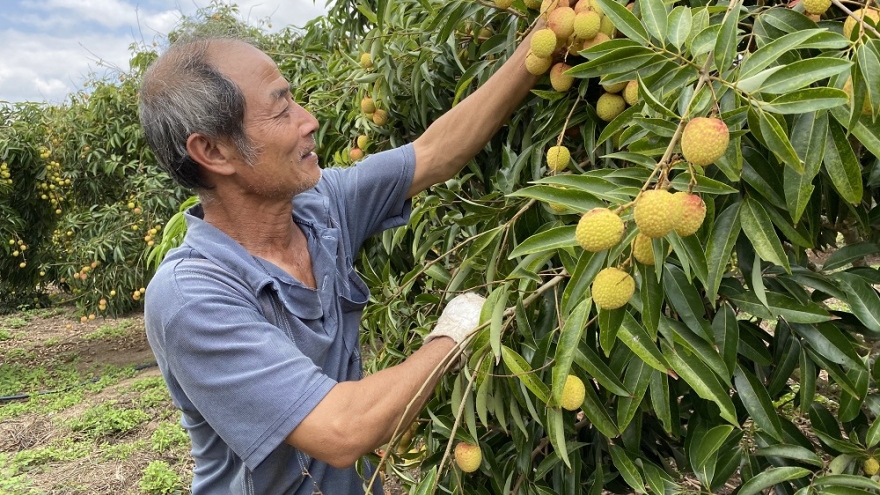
[
  {"x": 503, "y": 4},
  {"x": 656, "y": 212},
  {"x": 543, "y": 43},
  {"x": 363, "y": 141},
  {"x": 643, "y": 249},
  {"x": 865, "y": 15},
  {"x": 537, "y": 65},
  {"x": 367, "y": 105},
  {"x": 380, "y": 117},
  {"x": 871, "y": 466},
  {"x": 599, "y": 229},
  {"x": 558, "y": 79},
  {"x": 631, "y": 92},
  {"x": 586, "y": 24},
  {"x": 816, "y": 7},
  {"x": 704, "y": 140},
  {"x": 607, "y": 26},
  {"x": 612, "y": 288},
  {"x": 356, "y": 154},
  {"x": 573, "y": 393},
  {"x": 366, "y": 60},
  {"x": 551, "y": 5},
  {"x": 582, "y": 6},
  {"x": 561, "y": 21},
  {"x": 866, "y": 104},
  {"x": 598, "y": 39},
  {"x": 468, "y": 456},
  {"x": 693, "y": 211},
  {"x": 614, "y": 87},
  {"x": 558, "y": 158},
  {"x": 609, "y": 106}
]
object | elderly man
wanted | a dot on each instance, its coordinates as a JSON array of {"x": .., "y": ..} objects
[{"x": 254, "y": 319}]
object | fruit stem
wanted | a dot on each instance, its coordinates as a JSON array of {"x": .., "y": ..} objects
[{"x": 567, "y": 119}]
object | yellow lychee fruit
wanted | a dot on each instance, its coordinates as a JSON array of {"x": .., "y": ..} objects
[
  {"x": 363, "y": 141},
  {"x": 380, "y": 117},
  {"x": 704, "y": 140},
  {"x": 468, "y": 456},
  {"x": 586, "y": 24},
  {"x": 607, "y": 26},
  {"x": 631, "y": 92},
  {"x": 558, "y": 79},
  {"x": 848, "y": 89},
  {"x": 543, "y": 43},
  {"x": 367, "y": 105},
  {"x": 598, "y": 39},
  {"x": 532, "y": 4},
  {"x": 609, "y": 106},
  {"x": 366, "y": 60},
  {"x": 599, "y": 229},
  {"x": 643, "y": 249},
  {"x": 548, "y": 6},
  {"x": 356, "y": 154},
  {"x": 869, "y": 14},
  {"x": 561, "y": 22},
  {"x": 558, "y": 158},
  {"x": 484, "y": 34},
  {"x": 597, "y": 8},
  {"x": 503, "y": 4},
  {"x": 582, "y": 6},
  {"x": 614, "y": 87},
  {"x": 537, "y": 65},
  {"x": 656, "y": 212},
  {"x": 573, "y": 393},
  {"x": 816, "y": 7},
  {"x": 693, "y": 211},
  {"x": 871, "y": 466},
  {"x": 612, "y": 288}
]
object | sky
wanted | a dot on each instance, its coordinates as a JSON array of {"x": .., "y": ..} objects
[{"x": 48, "y": 48}]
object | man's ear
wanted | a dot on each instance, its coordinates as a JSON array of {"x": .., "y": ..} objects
[{"x": 216, "y": 157}]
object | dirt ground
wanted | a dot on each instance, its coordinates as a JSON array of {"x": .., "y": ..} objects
[{"x": 55, "y": 340}]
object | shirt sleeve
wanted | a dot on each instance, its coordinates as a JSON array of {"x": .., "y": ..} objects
[
  {"x": 247, "y": 379},
  {"x": 372, "y": 195}
]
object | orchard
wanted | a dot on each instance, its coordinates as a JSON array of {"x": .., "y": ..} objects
[{"x": 676, "y": 233}]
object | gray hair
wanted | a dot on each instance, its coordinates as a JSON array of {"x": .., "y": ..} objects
[{"x": 182, "y": 94}]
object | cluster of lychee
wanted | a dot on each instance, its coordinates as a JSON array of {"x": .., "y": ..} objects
[
  {"x": 5, "y": 175},
  {"x": 656, "y": 213},
  {"x": 379, "y": 118},
  {"x": 18, "y": 251}
]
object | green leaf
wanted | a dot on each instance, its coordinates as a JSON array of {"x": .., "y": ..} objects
[
  {"x": 867, "y": 132},
  {"x": 759, "y": 229},
  {"x": 724, "y": 233},
  {"x": 725, "y": 44},
  {"x": 651, "y": 294},
  {"x": 624, "y": 21},
  {"x": 702, "y": 380},
  {"x": 637, "y": 339},
  {"x": 758, "y": 403},
  {"x": 772, "y": 476},
  {"x": 587, "y": 359},
  {"x": 655, "y": 18},
  {"x": 726, "y": 331},
  {"x": 808, "y": 139},
  {"x": 704, "y": 185},
  {"x": 597, "y": 413},
  {"x": 769, "y": 54},
  {"x": 493, "y": 312},
  {"x": 849, "y": 480},
  {"x": 705, "y": 454},
  {"x": 555, "y": 238},
  {"x": 587, "y": 267},
  {"x": 806, "y": 100},
  {"x": 872, "y": 438},
  {"x": 704, "y": 350},
  {"x": 780, "y": 305},
  {"x": 795, "y": 452},
  {"x": 686, "y": 301},
  {"x": 843, "y": 166},
  {"x": 655, "y": 104},
  {"x": 802, "y": 73},
  {"x": 520, "y": 367},
  {"x": 627, "y": 469},
  {"x": 637, "y": 378},
  {"x": 679, "y": 25},
  {"x": 609, "y": 324},
  {"x": 849, "y": 253},
  {"x": 777, "y": 140},
  {"x": 426, "y": 485},
  {"x": 624, "y": 119},
  {"x": 556, "y": 427},
  {"x": 618, "y": 61},
  {"x": 863, "y": 300},
  {"x": 830, "y": 342},
  {"x": 571, "y": 334},
  {"x": 660, "y": 400},
  {"x": 576, "y": 200}
]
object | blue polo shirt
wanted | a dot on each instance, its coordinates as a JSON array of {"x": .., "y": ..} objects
[{"x": 248, "y": 351}]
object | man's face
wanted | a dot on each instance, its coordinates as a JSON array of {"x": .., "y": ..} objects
[{"x": 282, "y": 131}]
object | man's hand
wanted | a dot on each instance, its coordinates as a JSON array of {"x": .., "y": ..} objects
[{"x": 459, "y": 318}]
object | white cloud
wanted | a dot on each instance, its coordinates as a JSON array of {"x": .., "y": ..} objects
[{"x": 49, "y": 47}]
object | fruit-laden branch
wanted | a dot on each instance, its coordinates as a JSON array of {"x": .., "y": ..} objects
[{"x": 860, "y": 20}]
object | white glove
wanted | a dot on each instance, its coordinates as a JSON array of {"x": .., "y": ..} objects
[{"x": 459, "y": 318}]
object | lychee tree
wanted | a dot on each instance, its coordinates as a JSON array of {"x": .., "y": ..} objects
[{"x": 722, "y": 137}]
